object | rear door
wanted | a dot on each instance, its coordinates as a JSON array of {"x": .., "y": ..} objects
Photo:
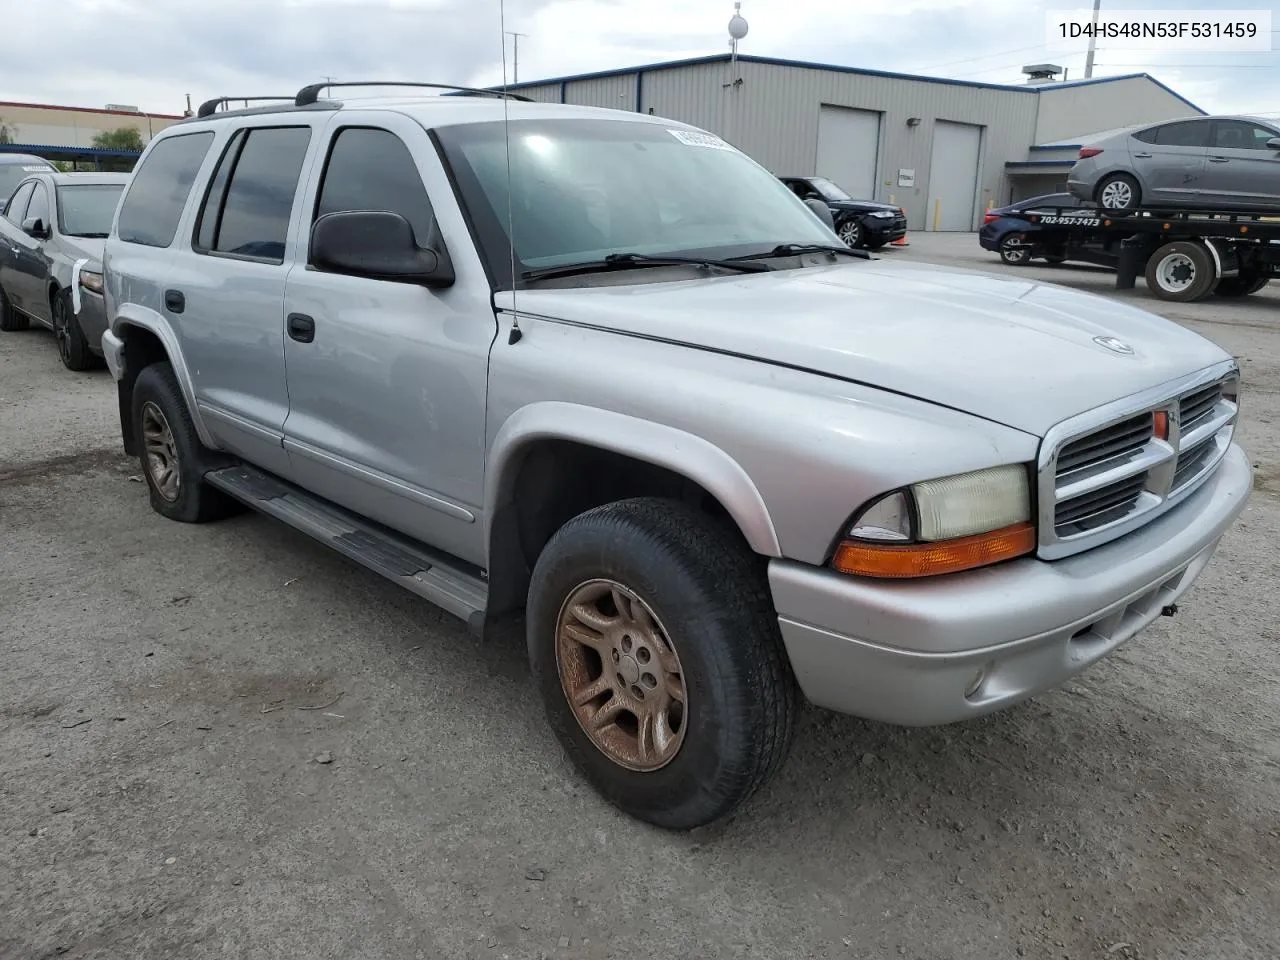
[
  {"x": 10, "y": 237},
  {"x": 1242, "y": 171},
  {"x": 1170, "y": 159},
  {"x": 27, "y": 276}
]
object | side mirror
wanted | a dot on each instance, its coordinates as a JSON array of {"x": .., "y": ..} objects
[
  {"x": 1273, "y": 143},
  {"x": 380, "y": 245},
  {"x": 35, "y": 227},
  {"x": 821, "y": 211}
]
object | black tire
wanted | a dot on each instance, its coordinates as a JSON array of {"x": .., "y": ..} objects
[
  {"x": 1181, "y": 272},
  {"x": 1014, "y": 252},
  {"x": 73, "y": 348},
  {"x": 709, "y": 595},
  {"x": 1242, "y": 285},
  {"x": 852, "y": 233},
  {"x": 194, "y": 501},
  {"x": 11, "y": 320},
  {"x": 1119, "y": 191}
]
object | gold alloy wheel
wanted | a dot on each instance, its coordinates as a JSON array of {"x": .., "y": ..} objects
[
  {"x": 621, "y": 675},
  {"x": 162, "y": 454}
]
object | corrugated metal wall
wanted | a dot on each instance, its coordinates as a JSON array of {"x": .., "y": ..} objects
[{"x": 1075, "y": 111}]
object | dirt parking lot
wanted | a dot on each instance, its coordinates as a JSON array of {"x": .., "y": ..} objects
[{"x": 225, "y": 741}]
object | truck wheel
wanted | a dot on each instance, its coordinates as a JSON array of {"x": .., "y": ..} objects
[
  {"x": 1181, "y": 271},
  {"x": 656, "y": 649},
  {"x": 1119, "y": 192},
  {"x": 10, "y": 319},
  {"x": 73, "y": 348},
  {"x": 1240, "y": 286},
  {"x": 174, "y": 461},
  {"x": 1014, "y": 252}
]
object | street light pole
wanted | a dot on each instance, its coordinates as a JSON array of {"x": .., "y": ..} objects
[
  {"x": 1093, "y": 42},
  {"x": 515, "y": 54}
]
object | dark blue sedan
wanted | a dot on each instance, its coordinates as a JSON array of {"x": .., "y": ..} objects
[{"x": 1009, "y": 232}]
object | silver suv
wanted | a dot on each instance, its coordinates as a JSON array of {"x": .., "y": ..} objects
[{"x": 603, "y": 367}]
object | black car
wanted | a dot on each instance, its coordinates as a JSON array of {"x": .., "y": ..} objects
[
  {"x": 1008, "y": 231},
  {"x": 860, "y": 223}
]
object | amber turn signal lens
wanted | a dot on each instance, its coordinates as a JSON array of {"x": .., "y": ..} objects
[
  {"x": 905, "y": 561},
  {"x": 1160, "y": 425}
]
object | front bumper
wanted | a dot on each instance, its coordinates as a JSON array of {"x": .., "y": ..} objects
[
  {"x": 113, "y": 353},
  {"x": 881, "y": 231},
  {"x": 910, "y": 652}
]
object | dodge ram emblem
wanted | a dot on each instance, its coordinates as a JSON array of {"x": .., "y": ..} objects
[{"x": 1111, "y": 343}]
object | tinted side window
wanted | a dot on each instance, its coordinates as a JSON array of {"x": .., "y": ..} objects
[
  {"x": 1239, "y": 135},
  {"x": 207, "y": 219},
  {"x": 1147, "y": 136},
  {"x": 18, "y": 203},
  {"x": 153, "y": 204},
  {"x": 1192, "y": 133},
  {"x": 39, "y": 206},
  {"x": 372, "y": 169},
  {"x": 254, "y": 218}
]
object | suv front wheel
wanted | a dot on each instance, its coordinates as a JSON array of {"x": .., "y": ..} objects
[
  {"x": 654, "y": 643},
  {"x": 174, "y": 461}
]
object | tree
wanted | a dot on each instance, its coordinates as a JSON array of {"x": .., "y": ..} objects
[
  {"x": 125, "y": 138},
  {"x": 6, "y": 133}
]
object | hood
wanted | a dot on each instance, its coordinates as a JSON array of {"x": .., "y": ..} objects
[
  {"x": 85, "y": 248},
  {"x": 861, "y": 206},
  {"x": 1012, "y": 351}
]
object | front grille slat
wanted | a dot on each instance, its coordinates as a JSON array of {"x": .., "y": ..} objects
[{"x": 1085, "y": 468}]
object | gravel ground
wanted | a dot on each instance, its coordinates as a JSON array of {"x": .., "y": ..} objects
[{"x": 225, "y": 741}]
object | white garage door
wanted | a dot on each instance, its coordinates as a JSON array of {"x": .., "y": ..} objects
[
  {"x": 848, "y": 141},
  {"x": 953, "y": 175}
]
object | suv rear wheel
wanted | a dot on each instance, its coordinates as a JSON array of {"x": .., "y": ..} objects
[
  {"x": 174, "y": 461},
  {"x": 656, "y": 649}
]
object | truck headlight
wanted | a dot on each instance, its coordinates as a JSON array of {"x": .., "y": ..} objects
[
  {"x": 91, "y": 280},
  {"x": 942, "y": 526}
]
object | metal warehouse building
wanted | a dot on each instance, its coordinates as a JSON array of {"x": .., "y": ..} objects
[{"x": 944, "y": 150}]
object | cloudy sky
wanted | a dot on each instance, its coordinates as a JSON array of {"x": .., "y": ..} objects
[{"x": 151, "y": 53}]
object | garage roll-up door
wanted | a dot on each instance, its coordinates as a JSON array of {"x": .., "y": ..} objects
[
  {"x": 848, "y": 141},
  {"x": 953, "y": 175}
]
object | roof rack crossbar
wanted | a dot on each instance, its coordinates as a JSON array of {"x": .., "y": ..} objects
[
  {"x": 210, "y": 107},
  {"x": 311, "y": 93}
]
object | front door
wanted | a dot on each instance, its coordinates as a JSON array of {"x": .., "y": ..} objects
[
  {"x": 1242, "y": 170},
  {"x": 387, "y": 380},
  {"x": 13, "y": 241},
  {"x": 228, "y": 307},
  {"x": 28, "y": 267}
]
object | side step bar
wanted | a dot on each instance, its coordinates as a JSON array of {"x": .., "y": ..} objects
[{"x": 401, "y": 560}]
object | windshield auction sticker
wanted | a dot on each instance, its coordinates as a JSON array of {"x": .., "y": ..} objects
[
  {"x": 694, "y": 138},
  {"x": 1196, "y": 31}
]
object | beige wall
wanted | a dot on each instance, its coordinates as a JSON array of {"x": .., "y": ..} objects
[
  {"x": 42, "y": 125},
  {"x": 1073, "y": 111}
]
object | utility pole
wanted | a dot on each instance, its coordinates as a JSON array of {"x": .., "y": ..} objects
[
  {"x": 515, "y": 54},
  {"x": 1093, "y": 42}
]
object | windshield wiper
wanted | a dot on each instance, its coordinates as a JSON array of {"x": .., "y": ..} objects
[
  {"x": 632, "y": 261},
  {"x": 794, "y": 249}
]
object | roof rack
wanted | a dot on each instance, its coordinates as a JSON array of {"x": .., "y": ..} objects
[
  {"x": 311, "y": 93},
  {"x": 210, "y": 107}
]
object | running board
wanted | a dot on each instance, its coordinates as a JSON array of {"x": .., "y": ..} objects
[{"x": 399, "y": 559}]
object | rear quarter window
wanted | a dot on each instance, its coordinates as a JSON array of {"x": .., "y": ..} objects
[{"x": 160, "y": 187}]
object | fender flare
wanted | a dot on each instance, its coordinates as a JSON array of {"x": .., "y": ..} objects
[
  {"x": 673, "y": 449},
  {"x": 133, "y": 315}
]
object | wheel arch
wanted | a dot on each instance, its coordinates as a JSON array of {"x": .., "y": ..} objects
[
  {"x": 148, "y": 338},
  {"x": 540, "y": 451}
]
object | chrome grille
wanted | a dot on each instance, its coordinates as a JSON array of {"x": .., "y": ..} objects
[{"x": 1110, "y": 470}]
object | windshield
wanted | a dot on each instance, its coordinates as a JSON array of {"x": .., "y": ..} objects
[
  {"x": 583, "y": 189},
  {"x": 86, "y": 209},
  {"x": 828, "y": 189},
  {"x": 12, "y": 174}
]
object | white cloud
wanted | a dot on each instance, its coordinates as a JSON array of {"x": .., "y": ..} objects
[{"x": 153, "y": 52}]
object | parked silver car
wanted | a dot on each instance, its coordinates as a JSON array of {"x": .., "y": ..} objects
[
  {"x": 545, "y": 357},
  {"x": 1219, "y": 163},
  {"x": 51, "y": 238}
]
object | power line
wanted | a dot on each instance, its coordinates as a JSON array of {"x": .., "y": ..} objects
[{"x": 999, "y": 53}]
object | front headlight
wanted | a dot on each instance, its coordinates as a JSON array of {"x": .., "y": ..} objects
[
  {"x": 882, "y": 214},
  {"x": 91, "y": 281},
  {"x": 942, "y": 526}
]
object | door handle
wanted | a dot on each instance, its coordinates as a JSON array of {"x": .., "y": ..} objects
[
  {"x": 174, "y": 301},
  {"x": 301, "y": 327},
  {"x": 1142, "y": 156},
  {"x": 1219, "y": 159}
]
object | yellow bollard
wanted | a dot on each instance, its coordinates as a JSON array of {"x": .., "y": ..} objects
[{"x": 937, "y": 214}]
